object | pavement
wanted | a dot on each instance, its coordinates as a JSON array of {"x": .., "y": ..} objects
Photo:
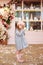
[{"x": 33, "y": 55}]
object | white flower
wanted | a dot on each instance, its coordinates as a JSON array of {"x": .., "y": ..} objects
[{"x": 2, "y": 32}]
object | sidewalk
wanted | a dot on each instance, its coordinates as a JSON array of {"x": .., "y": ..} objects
[{"x": 33, "y": 55}]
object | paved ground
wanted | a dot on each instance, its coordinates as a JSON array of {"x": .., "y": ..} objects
[{"x": 33, "y": 55}]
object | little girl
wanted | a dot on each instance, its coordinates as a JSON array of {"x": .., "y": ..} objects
[{"x": 20, "y": 40}]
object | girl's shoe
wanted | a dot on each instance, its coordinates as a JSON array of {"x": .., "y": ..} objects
[
  {"x": 19, "y": 59},
  {"x": 20, "y": 55}
]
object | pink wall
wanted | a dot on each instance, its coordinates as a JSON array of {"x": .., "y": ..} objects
[{"x": 34, "y": 37}]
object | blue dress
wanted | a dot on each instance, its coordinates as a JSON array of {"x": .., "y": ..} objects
[{"x": 20, "y": 39}]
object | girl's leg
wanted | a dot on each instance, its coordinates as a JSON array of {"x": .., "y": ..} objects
[
  {"x": 18, "y": 55},
  {"x": 18, "y": 51}
]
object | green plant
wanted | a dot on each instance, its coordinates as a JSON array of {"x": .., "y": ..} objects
[{"x": 8, "y": 20}]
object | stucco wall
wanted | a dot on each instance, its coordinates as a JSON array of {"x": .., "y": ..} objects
[{"x": 34, "y": 37}]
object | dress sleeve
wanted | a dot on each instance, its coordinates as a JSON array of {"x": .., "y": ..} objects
[{"x": 23, "y": 31}]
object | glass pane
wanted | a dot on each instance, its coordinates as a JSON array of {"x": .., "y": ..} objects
[
  {"x": 18, "y": 5},
  {"x": 42, "y": 25},
  {"x": 26, "y": 15},
  {"x": 32, "y": 15},
  {"x": 33, "y": 25},
  {"x": 36, "y": 15},
  {"x": 27, "y": 25},
  {"x": 31, "y": 5},
  {"x": 18, "y": 15}
]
